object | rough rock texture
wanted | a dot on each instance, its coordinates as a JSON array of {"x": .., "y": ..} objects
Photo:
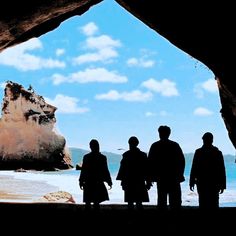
[
  {"x": 28, "y": 138},
  {"x": 204, "y": 31},
  {"x": 33, "y": 18},
  {"x": 58, "y": 197}
]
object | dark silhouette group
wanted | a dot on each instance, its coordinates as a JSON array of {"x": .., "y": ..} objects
[{"x": 164, "y": 165}]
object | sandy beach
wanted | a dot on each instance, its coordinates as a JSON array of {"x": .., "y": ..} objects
[
  {"x": 31, "y": 186},
  {"x": 13, "y": 189},
  {"x": 20, "y": 205}
]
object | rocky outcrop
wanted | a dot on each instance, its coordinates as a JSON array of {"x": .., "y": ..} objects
[
  {"x": 27, "y": 133},
  {"x": 57, "y": 197},
  {"x": 204, "y": 31}
]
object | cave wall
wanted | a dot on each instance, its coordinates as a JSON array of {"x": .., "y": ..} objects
[
  {"x": 23, "y": 20},
  {"x": 205, "y": 31}
]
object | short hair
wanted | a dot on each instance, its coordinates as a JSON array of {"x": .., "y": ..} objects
[
  {"x": 164, "y": 129},
  {"x": 207, "y": 135},
  {"x": 94, "y": 144},
  {"x": 133, "y": 141}
]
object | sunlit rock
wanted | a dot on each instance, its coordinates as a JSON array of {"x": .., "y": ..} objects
[
  {"x": 58, "y": 197},
  {"x": 28, "y": 138}
]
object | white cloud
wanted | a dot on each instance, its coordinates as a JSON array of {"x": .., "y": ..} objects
[
  {"x": 143, "y": 60},
  {"x": 19, "y": 57},
  {"x": 103, "y": 55},
  {"x": 165, "y": 87},
  {"x": 209, "y": 85},
  {"x": 60, "y": 51},
  {"x": 163, "y": 113},
  {"x": 89, "y": 29},
  {"x": 101, "y": 42},
  {"x": 66, "y": 104},
  {"x": 90, "y": 75},
  {"x": 150, "y": 114},
  {"x": 140, "y": 62},
  {"x": 133, "y": 96},
  {"x": 59, "y": 79},
  {"x": 104, "y": 47},
  {"x": 202, "y": 111}
]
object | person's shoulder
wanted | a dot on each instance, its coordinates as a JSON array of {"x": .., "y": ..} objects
[
  {"x": 155, "y": 143},
  {"x": 126, "y": 153},
  {"x": 198, "y": 150},
  {"x": 143, "y": 153},
  {"x": 102, "y": 155},
  {"x": 216, "y": 149},
  {"x": 174, "y": 143},
  {"x": 87, "y": 155}
]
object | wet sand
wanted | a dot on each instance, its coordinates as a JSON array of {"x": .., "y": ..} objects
[{"x": 18, "y": 190}]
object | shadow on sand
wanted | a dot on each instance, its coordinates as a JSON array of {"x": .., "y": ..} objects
[{"x": 58, "y": 218}]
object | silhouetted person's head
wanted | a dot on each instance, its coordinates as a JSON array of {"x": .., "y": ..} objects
[
  {"x": 94, "y": 145},
  {"x": 133, "y": 142},
  {"x": 164, "y": 132},
  {"x": 207, "y": 139}
]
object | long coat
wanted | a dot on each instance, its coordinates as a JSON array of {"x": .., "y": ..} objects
[
  {"x": 133, "y": 174},
  {"x": 208, "y": 169},
  {"x": 94, "y": 173},
  {"x": 167, "y": 162}
]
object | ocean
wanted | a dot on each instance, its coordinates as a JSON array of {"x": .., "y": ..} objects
[{"x": 30, "y": 186}]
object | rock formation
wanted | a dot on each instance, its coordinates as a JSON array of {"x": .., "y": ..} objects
[
  {"x": 204, "y": 31},
  {"x": 58, "y": 197},
  {"x": 27, "y": 133}
]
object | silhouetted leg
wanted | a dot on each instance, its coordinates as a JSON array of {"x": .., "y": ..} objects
[
  {"x": 161, "y": 196},
  {"x": 175, "y": 196},
  {"x": 96, "y": 206},
  {"x": 213, "y": 198},
  {"x": 139, "y": 205},
  {"x": 130, "y": 205},
  {"x": 208, "y": 200},
  {"x": 87, "y": 205}
]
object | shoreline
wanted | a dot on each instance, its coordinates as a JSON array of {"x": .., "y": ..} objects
[{"x": 31, "y": 186}]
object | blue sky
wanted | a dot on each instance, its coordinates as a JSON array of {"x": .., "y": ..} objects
[{"x": 111, "y": 77}]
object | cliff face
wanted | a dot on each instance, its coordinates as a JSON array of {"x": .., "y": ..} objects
[{"x": 27, "y": 133}]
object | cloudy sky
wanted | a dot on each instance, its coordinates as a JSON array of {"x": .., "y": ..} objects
[{"x": 111, "y": 77}]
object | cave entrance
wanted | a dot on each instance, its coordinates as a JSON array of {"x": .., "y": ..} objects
[
  {"x": 113, "y": 80},
  {"x": 131, "y": 77}
]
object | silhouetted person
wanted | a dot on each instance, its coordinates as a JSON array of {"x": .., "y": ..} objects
[
  {"x": 167, "y": 164},
  {"x": 133, "y": 175},
  {"x": 208, "y": 173},
  {"x": 94, "y": 173}
]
